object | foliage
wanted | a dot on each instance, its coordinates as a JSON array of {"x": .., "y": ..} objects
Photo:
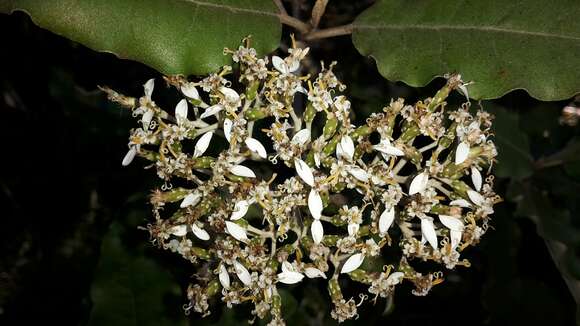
[{"x": 174, "y": 37}]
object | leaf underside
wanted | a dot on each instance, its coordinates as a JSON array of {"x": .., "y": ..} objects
[
  {"x": 172, "y": 36},
  {"x": 500, "y": 45}
]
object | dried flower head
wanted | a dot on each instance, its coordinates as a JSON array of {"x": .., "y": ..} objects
[{"x": 259, "y": 197}]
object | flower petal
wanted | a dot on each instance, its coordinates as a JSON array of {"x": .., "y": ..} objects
[
  {"x": 304, "y": 172},
  {"x": 279, "y": 64},
  {"x": 212, "y": 110},
  {"x": 317, "y": 231},
  {"x": 353, "y": 229},
  {"x": 190, "y": 200},
  {"x": 476, "y": 178},
  {"x": 178, "y": 230},
  {"x": 287, "y": 267},
  {"x": 312, "y": 272},
  {"x": 148, "y": 87},
  {"x": 290, "y": 277},
  {"x": 129, "y": 156},
  {"x": 302, "y": 137},
  {"x": 386, "y": 220},
  {"x": 147, "y": 117},
  {"x": 419, "y": 183},
  {"x": 456, "y": 237},
  {"x": 181, "y": 111},
  {"x": 395, "y": 278},
  {"x": 358, "y": 173},
  {"x": 190, "y": 91},
  {"x": 236, "y": 231},
  {"x": 461, "y": 153},
  {"x": 315, "y": 204},
  {"x": 428, "y": 231},
  {"x": 293, "y": 66},
  {"x": 451, "y": 222},
  {"x": 228, "y": 125},
  {"x": 475, "y": 197},
  {"x": 347, "y": 146},
  {"x": 224, "y": 277},
  {"x": 255, "y": 146},
  {"x": 240, "y": 210},
  {"x": 242, "y": 171},
  {"x": 230, "y": 94},
  {"x": 460, "y": 202},
  {"x": 385, "y": 147},
  {"x": 352, "y": 263},
  {"x": 202, "y": 144},
  {"x": 242, "y": 273},
  {"x": 199, "y": 232}
]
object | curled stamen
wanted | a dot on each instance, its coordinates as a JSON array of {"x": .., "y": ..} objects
[{"x": 362, "y": 297}]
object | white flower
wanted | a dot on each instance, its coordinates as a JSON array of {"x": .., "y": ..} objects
[
  {"x": 304, "y": 172},
  {"x": 236, "y": 231},
  {"x": 202, "y": 144},
  {"x": 255, "y": 146},
  {"x": 190, "y": 91},
  {"x": 428, "y": 231},
  {"x": 240, "y": 210},
  {"x": 455, "y": 226},
  {"x": 385, "y": 147},
  {"x": 242, "y": 171},
  {"x": 419, "y": 183},
  {"x": 199, "y": 232},
  {"x": 476, "y": 178},
  {"x": 178, "y": 230},
  {"x": 283, "y": 67},
  {"x": 181, "y": 111},
  {"x": 312, "y": 272},
  {"x": 224, "y": 277},
  {"x": 352, "y": 263},
  {"x": 242, "y": 273},
  {"x": 386, "y": 220},
  {"x": 287, "y": 267},
  {"x": 475, "y": 197},
  {"x": 315, "y": 204},
  {"x": 461, "y": 153},
  {"x": 212, "y": 110},
  {"x": 190, "y": 200},
  {"x": 302, "y": 137},
  {"x": 347, "y": 147},
  {"x": 228, "y": 124},
  {"x": 358, "y": 173},
  {"x": 129, "y": 156},
  {"x": 290, "y": 277},
  {"x": 395, "y": 278},
  {"x": 317, "y": 231}
]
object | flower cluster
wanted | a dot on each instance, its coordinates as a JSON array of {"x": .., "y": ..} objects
[{"x": 261, "y": 192}]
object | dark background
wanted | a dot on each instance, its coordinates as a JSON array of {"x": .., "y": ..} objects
[{"x": 71, "y": 252}]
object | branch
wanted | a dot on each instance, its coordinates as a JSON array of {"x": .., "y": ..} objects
[
  {"x": 330, "y": 32},
  {"x": 317, "y": 12},
  {"x": 299, "y": 25},
  {"x": 280, "y": 6}
]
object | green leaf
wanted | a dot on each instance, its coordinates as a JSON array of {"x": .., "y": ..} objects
[
  {"x": 131, "y": 289},
  {"x": 501, "y": 45},
  {"x": 514, "y": 159},
  {"x": 172, "y": 36}
]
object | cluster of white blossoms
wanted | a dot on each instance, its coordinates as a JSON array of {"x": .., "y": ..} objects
[{"x": 268, "y": 182}]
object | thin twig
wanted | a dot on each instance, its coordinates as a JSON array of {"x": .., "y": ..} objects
[
  {"x": 281, "y": 8},
  {"x": 299, "y": 25},
  {"x": 317, "y": 12},
  {"x": 330, "y": 32}
]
